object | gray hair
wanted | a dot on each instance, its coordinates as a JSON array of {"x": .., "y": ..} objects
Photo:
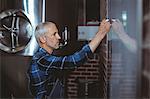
[{"x": 42, "y": 28}]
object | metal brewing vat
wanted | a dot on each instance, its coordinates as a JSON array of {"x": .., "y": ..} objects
[{"x": 17, "y": 25}]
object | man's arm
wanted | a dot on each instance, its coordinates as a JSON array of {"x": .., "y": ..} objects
[
  {"x": 103, "y": 30},
  {"x": 78, "y": 58}
]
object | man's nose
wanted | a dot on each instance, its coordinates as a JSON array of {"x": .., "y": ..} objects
[{"x": 59, "y": 36}]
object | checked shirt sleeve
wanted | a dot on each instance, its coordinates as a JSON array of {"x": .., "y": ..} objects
[
  {"x": 70, "y": 61},
  {"x": 77, "y": 59}
]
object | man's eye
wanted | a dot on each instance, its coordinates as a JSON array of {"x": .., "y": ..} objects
[{"x": 55, "y": 33}]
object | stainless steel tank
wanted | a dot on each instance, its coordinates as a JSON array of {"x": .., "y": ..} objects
[{"x": 17, "y": 24}]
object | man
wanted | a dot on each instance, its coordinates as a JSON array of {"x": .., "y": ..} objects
[{"x": 46, "y": 70}]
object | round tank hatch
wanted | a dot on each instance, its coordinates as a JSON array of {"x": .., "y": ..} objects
[{"x": 15, "y": 30}]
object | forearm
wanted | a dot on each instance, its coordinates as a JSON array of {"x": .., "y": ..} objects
[
  {"x": 103, "y": 30},
  {"x": 96, "y": 41}
]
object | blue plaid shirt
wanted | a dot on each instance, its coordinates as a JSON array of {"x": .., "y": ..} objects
[{"x": 46, "y": 71}]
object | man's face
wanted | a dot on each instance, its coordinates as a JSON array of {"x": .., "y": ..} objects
[{"x": 52, "y": 37}]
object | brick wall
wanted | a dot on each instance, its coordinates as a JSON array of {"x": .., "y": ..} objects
[
  {"x": 87, "y": 72},
  {"x": 93, "y": 71}
]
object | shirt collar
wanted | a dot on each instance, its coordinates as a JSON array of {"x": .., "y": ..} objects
[{"x": 42, "y": 50}]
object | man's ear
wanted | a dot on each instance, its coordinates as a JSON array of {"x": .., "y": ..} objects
[{"x": 42, "y": 39}]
